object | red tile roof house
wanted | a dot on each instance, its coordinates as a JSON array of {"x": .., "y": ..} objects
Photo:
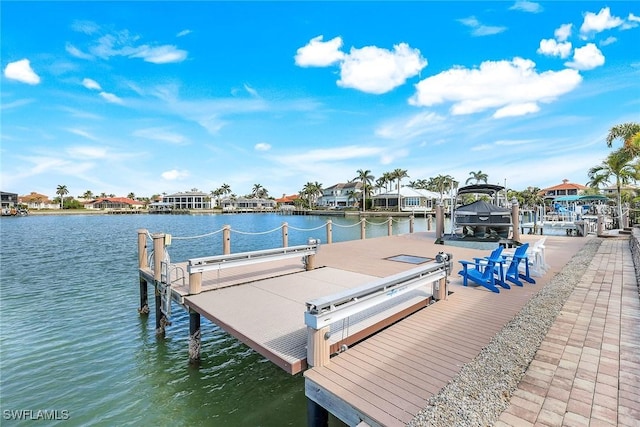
[
  {"x": 565, "y": 189},
  {"x": 37, "y": 201},
  {"x": 287, "y": 200},
  {"x": 114, "y": 203}
]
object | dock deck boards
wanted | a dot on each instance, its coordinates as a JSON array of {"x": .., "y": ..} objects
[{"x": 386, "y": 379}]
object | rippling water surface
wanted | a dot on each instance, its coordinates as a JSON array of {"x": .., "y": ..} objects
[{"x": 71, "y": 338}]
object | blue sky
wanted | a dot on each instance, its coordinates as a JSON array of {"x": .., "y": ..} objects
[{"x": 152, "y": 97}]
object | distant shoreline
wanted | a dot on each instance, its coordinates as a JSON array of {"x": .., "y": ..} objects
[{"x": 219, "y": 211}]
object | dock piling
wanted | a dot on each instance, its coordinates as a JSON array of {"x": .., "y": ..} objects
[
  {"x": 195, "y": 337},
  {"x": 329, "y": 232},
  {"x": 143, "y": 262},
  {"x": 363, "y": 228},
  {"x": 158, "y": 257},
  {"x": 317, "y": 416},
  {"x": 144, "y": 297},
  {"x": 390, "y": 226},
  {"x": 515, "y": 219},
  {"x": 285, "y": 234},
  {"x": 411, "y": 223},
  {"x": 226, "y": 239},
  {"x": 318, "y": 350}
]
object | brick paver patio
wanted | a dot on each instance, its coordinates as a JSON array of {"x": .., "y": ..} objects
[{"x": 587, "y": 370}]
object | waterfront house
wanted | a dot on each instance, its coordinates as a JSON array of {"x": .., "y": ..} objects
[
  {"x": 340, "y": 195},
  {"x": 287, "y": 200},
  {"x": 37, "y": 201},
  {"x": 189, "y": 200},
  {"x": 8, "y": 200},
  {"x": 411, "y": 200},
  {"x": 565, "y": 189},
  {"x": 114, "y": 203},
  {"x": 247, "y": 204}
]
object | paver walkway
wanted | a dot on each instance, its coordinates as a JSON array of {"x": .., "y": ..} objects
[{"x": 587, "y": 370}]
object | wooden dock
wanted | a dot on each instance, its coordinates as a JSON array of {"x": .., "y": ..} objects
[{"x": 383, "y": 378}]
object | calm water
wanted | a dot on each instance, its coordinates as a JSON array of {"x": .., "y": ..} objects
[{"x": 71, "y": 339}]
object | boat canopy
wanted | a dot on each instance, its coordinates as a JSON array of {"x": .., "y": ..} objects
[
  {"x": 584, "y": 198},
  {"x": 480, "y": 188}
]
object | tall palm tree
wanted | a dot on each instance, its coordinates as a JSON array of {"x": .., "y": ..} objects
[
  {"x": 619, "y": 166},
  {"x": 87, "y": 195},
  {"x": 388, "y": 179},
  {"x": 365, "y": 177},
  {"x": 62, "y": 191},
  {"x": 441, "y": 183},
  {"x": 629, "y": 133},
  {"x": 226, "y": 189},
  {"x": 477, "y": 177},
  {"x": 312, "y": 190},
  {"x": 257, "y": 190},
  {"x": 398, "y": 174},
  {"x": 131, "y": 195}
]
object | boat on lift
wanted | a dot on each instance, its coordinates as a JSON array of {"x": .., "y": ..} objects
[{"x": 481, "y": 220}]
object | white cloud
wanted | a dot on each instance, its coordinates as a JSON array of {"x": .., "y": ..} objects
[
  {"x": 480, "y": 29},
  {"x": 161, "y": 134},
  {"x": 82, "y": 133},
  {"x": 412, "y": 127},
  {"x": 183, "y": 33},
  {"x": 74, "y": 51},
  {"x": 563, "y": 32},
  {"x": 586, "y": 58},
  {"x": 335, "y": 154},
  {"x": 91, "y": 84},
  {"x": 123, "y": 43},
  {"x": 596, "y": 23},
  {"x": 86, "y": 27},
  {"x": 174, "y": 175},
  {"x": 527, "y": 6},
  {"x": 87, "y": 152},
  {"x": 511, "y": 87},
  {"x": 550, "y": 47},
  {"x": 160, "y": 54},
  {"x": 111, "y": 98},
  {"x": 262, "y": 146},
  {"x": 21, "y": 71},
  {"x": 609, "y": 40},
  {"x": 375, "y": 70},
  {"x": 514, "y": 110},
  {"x": 251, "y": 90},
  {"x": 318, "y": 53}
]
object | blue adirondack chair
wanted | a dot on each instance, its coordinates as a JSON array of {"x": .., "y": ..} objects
[
  {"x": 512, "y": 272},
  {"x": 482, "y": 271}
]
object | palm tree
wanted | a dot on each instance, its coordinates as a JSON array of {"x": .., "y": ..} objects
[
  {"x": 311, "y": 191},
  {"x": 226, "y": 189},
  {"x": 257, "y": 190},
  {"x": 630, "y": 135},
  {"x": 441, "y": 183},
  {"x": 398, "y": 174},
  {"x": 88, "y": 195},
  {"x": 477, "y": 177},
  {"x": 618, "y": 165},
  {"x": 62, "y": 191},
  {"x": 131, "y": 196},
  {"x": 217, "y": 193},
  {"x": 365, "y": 177}
]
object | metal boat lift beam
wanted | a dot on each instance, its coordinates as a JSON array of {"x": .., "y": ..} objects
[
  {"x": 218, "y": 262},
  {"x": 326, "y": 310}
]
